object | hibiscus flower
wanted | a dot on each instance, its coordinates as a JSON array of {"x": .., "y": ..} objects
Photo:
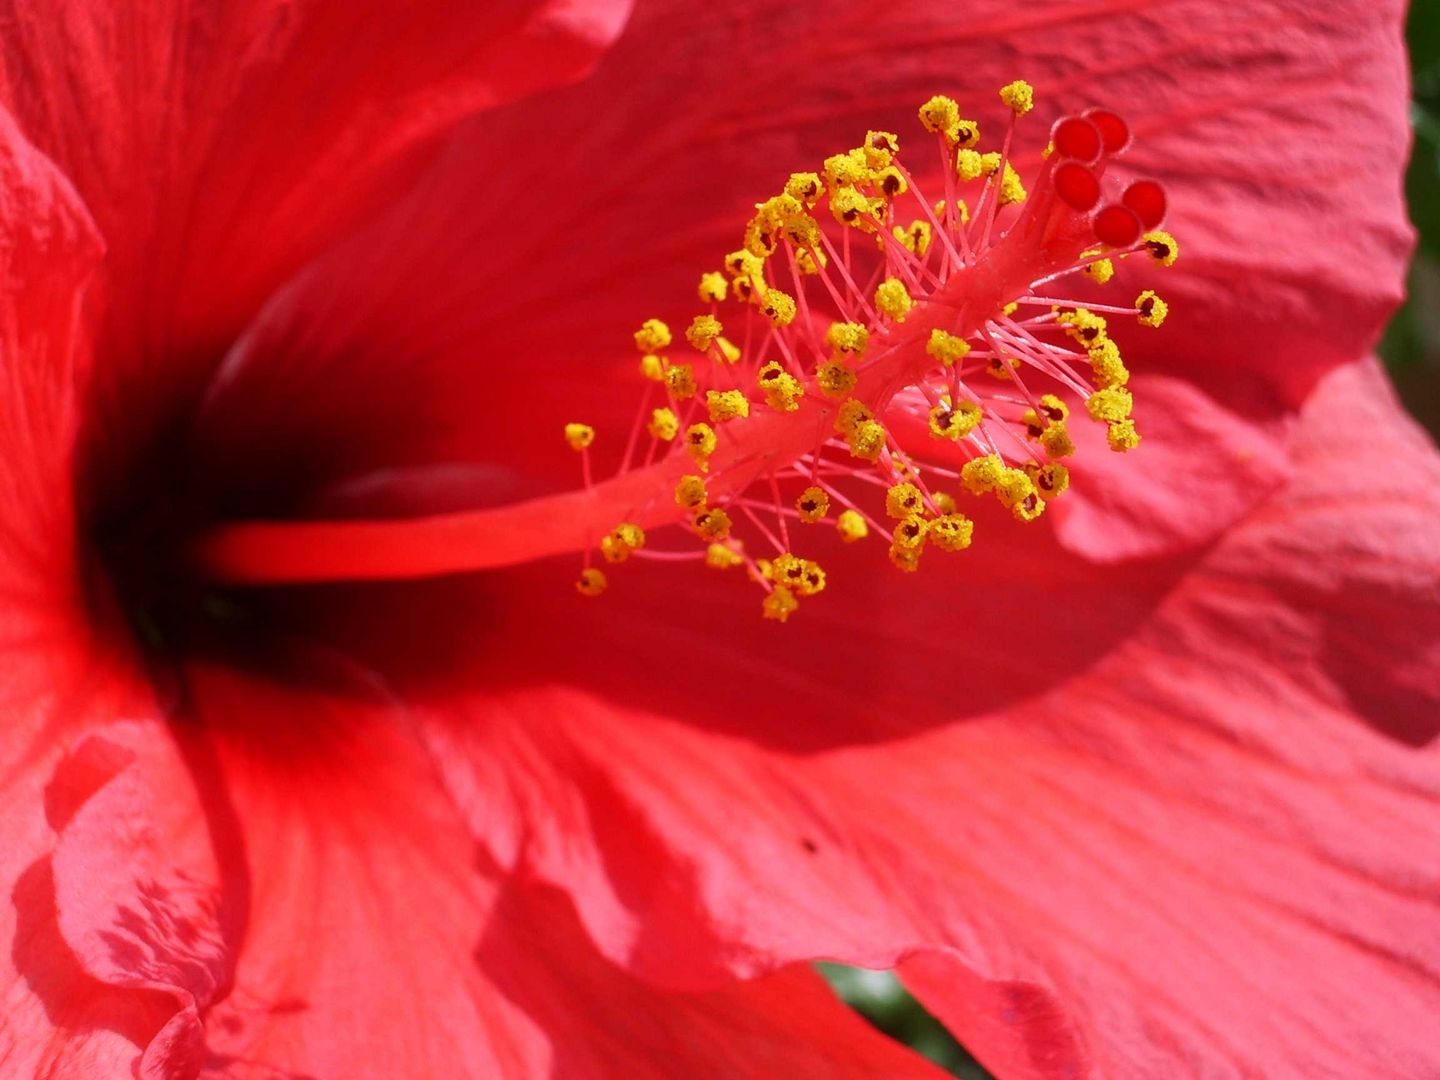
[{"x": 1143, "y": 788}]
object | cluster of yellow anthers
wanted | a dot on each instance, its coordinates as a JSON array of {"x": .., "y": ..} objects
[{"x": 871, "y": 316}]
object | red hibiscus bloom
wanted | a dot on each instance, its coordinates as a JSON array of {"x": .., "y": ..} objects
[{"x": 1144, "y": 789}]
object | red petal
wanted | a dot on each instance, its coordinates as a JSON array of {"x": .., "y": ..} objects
[
  {"x": 137, "y": 894},
  {"x": 112, "y": 946},
  {"x": 221, "y": 145},
  {"x": 631, "y": 185},
  {"x": 1199, "y": 469},
  {"x": 365, "y": 901},
  {"x": 604, "y": 1023},
  {"x": 50, "y": 250},
  {"x": 1190, "y": 852},
  {"x": 59, "y": 1018},
  {"x": 418, "y": 960}
]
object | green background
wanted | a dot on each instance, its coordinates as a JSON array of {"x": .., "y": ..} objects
[{"x": 1411, "y": 349}]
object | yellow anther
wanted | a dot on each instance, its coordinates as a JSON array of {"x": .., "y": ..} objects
[
  {"x": 813, "y": 504},
  {"x": 1082, "y": 325},
  {"x": 914, "y": 237},
  {"x": 1162, "y": 247},
  {"x": 691, "y": 493},
  {"x": 967, "y": 135},
  {"x": 1028, "y": 508},
  {"x": 1053, "y": 408},
  {"x": 779, "y": 603},
  {"x": 726, "y": 405},
  {"x": 802, "y": 230},
  {"x": 664, "y": 424},
  {"x": 1108, "y": 367},
  {"x": 804, "y": 577},
  {"x": 982, "y": 474},
  {"x": 942, "y": 422},
  {"x": 911, "y": 532},
  {"x": 1049, "y": 479},
  {"x": 680, "y": 381},
  {"x": 1010, "y": 309},
  {"x": 653, "y": 367},
  {"x": 592, "y": 582},
  {"x": 951, "y": 532},
  {"x": 806, "y": 264},
  {"x": 786, "y": 568},
  {"x": 848, "y": 339},
  {"x": 851, "y": 526},
  {"x": 869, "y": 439},
  {"x": 712, "y": 524},
  {"x": 1012, "y": 487},
  {"x": 851, "y": 415},
  {"x": 892, "y": 298},
  {"x": 891, "y": 183},
  {"x": 1056, "y": 440},
  {"x": 806, "y": 187},
  {"x": 944, "y": 502},
  {"x": 776, "y": 210},
  {"x": 700, "y": 444},
  {"x": 722, "y": 557},
  {"x": 1012, "y": 189},
  {"x": 968, "y": 165},
  {"x": 813, "y": 577},
  {"x": 759, "y": 240},
  {"x": 851, "y": 207},
  {"x": 652, "y": 336},
  {"x": 626, "y": 537},
  {"x": 579, "y": 436},
  {"x": 1019, "y": 96},
  {"x": 881, "y": 148},
  {"x": 1101, "y": 270},
  {"x": 946, "y": 347},
  {"x": 990, "y": 163},
  {"x": 781, "y": 389},
  {"x": 1123, "y": 436},
  {"x": 778, "y": 307},
  {"x": 941, "y": 116},
  {"x": 1111, "y": 405},
  {"x": 1002, "y": 368},
  {"x": 847, "y": 169},
  {"x": 743, "y": 264},
  {"x": 1152, "y": 309},
  {"x": 780, "y": 214},
  {"x": 904, "y": 558},
  {"x": 834, "y": 379},
  {"x": 703, "y": 331},
  {"x": 904, "y": 500},
  {"x": 713, "y": 287}
]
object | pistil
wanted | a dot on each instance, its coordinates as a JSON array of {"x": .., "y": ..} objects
[{"x": 945, "y": 323}]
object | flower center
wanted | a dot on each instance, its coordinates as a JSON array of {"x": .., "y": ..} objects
[
  {"x": 868, "y": 346},
  {"x": 136, "y": 527}
]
